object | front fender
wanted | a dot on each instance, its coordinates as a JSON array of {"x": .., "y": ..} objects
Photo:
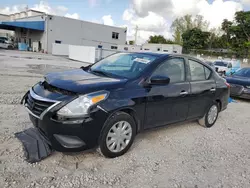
[{"x": 135, "y": 107}]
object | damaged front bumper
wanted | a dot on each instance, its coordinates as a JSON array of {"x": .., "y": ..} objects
[
  {"x": 67, "y": 135},
  {"x": 239, "y": 91},
  {"x": 36, "y": 146}
]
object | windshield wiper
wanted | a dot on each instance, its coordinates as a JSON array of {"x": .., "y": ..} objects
[
  {"x": 102, "y": 73},
  {"x": 85, "y": 68}
]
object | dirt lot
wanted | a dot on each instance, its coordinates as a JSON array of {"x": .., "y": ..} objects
[{"x": 184, "y": 155}]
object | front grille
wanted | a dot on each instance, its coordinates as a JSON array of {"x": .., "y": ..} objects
[{"x": 37, "y": 106}]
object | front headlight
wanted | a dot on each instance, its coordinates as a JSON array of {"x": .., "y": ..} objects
[
  {"x": 248, "y": 87},
  {"x": 81, "y": 105}
]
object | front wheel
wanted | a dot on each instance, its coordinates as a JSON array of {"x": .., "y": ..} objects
[
  {"x": 210, "y": 117},
  {"x": 117, "y": 135}
]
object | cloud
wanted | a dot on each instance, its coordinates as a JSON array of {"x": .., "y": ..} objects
[
  {"x": 43, "y": 7},
  {"x": 142, "y": 7},
  {"x": 74, "y": 16},
  {"x": 152, "y": 22},
  {"x": 245, "y": 2},
  {"x": 107, "y": 20},
  {"x": 62, "y": 8},
  {"x": 92, "y": 3},
  {"x": 128, "y": 14},
  {"x": 213, "y": 12},
  {"x": 13, "y": 9},
  {"x": 156, "y": 16}
]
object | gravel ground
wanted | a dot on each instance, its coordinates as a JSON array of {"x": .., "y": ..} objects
[{"x": 183, "y": 155}]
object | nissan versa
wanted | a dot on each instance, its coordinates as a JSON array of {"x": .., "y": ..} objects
[{"x": 108, "y": 103}]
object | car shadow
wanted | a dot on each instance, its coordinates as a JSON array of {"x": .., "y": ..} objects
[
  {"x": 150, "y": 134},
  {"x": 240, "y": 100}
]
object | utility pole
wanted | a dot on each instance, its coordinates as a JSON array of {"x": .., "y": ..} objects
[{"x": 136, "y": 30}]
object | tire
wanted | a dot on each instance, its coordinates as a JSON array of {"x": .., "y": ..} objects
[
  {"x": 206, "y": 121},
  {"x": 10, "y": 47},
  {"x": 120, "y": 121}
]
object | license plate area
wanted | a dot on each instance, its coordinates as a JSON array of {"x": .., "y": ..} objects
[{"x": 34, "y": 120}]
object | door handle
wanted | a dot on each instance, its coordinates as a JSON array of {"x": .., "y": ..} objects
[
  {"x": 212, "y": 89},
  {"x": 183, "y": 93}
]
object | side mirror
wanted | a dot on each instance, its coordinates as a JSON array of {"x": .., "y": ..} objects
[
  {"x": 159, "y": 80},
  {"x": 230, "y": 66}
]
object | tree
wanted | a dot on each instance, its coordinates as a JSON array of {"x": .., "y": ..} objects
[
  {"x": 157, "y": 39},
  {"x": 238, "y": 33},
  {"x": 169, "y": 41},
  {"x": 131, "y": 42},
  {"x": 187, "y": 22},
  {"x": 217, "y": 39},
  {"x": 195, "y": 39}
]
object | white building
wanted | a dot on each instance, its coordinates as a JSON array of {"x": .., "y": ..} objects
[
  {"x": 5, "y": 33},
  {"x": 168, "y": 48},
  {"x": 34, "y": 26},
  {"x": 130, "y": 48}
]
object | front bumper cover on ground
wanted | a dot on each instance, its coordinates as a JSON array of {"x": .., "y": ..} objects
[{"x": 36, "y": 146}]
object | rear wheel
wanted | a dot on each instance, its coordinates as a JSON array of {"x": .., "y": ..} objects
[
  {"x": 117, "y": 135},
  {"x": 10, "y": 47},
  {"x": 210, "y": 117}
]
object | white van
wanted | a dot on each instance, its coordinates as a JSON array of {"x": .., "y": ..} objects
[{"x": 6, "y": 44}]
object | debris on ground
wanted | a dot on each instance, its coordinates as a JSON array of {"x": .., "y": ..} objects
[{"x": 36, "y": 146}]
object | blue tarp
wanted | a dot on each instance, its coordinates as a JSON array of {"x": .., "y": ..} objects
[
  {"x": 36, "y": 25},
  {"x": 22, "y": 46},
  {"x": 231, "y": 100}
]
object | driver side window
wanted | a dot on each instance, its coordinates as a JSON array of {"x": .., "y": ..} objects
[{"x": 173, "y": 68}]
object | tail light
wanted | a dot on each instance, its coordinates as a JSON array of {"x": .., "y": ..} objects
[{"x": 227, "y": 84}]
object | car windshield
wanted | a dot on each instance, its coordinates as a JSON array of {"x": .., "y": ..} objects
[
  {"x": 127, "y": 65},
  {"x": 220, "y": 63},
  {"x": 245, "y": 72}
]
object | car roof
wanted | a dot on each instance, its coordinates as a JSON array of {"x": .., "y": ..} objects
[
  {"x": 248, "y": 68},
  {"x": 164, "y": 54},
  {"x": 156, "y": 54}
]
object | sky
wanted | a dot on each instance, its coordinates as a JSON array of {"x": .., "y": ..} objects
[{"x": 153, "y": 17}]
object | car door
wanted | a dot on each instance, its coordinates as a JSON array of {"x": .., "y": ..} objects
[
  {"x": 203, "y": 89},
  {"x": 168, "y": 103}
]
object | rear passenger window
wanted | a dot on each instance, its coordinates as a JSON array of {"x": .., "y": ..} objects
[{"x": 198, "y": 71}]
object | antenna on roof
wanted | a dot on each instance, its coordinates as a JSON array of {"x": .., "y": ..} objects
[{"x": 26, "y": 8}]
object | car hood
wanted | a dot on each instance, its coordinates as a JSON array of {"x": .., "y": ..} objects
[
  {"x": 80, "y": 81},
  {"x": 244, "y": 81}
]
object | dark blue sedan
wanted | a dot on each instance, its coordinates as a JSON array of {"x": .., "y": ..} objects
[
  {"x": 240, "y": 83},
  {"x": 106, "y": 104}
]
